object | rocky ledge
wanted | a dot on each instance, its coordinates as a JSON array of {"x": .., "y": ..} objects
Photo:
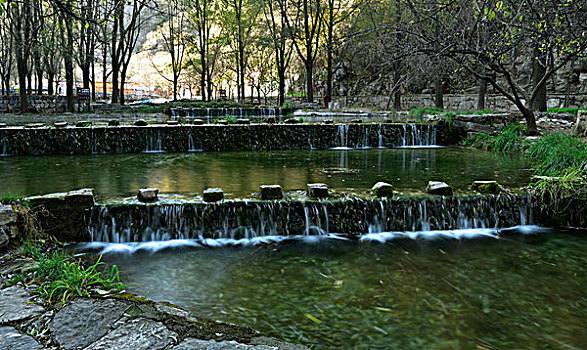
[{"x": 111, "y": 321}]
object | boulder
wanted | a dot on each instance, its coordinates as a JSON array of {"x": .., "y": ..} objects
[
  {"x": 147, "y": 195},
  {"x": 213, "y": 195},
  {"x": 580, "y": 127},
  {"x": 137, "y": 334},
  {"x": 439, "y": 188},
  {"x": 328, "y": 121},
  {"x": 7, "y": 215},
  {"x": 271, "y": 192},
  {"x": 318, "y": 191},
  {"x": 15, "y": 305},
  {"x": 60, "y": 124},
  {"x": 198, "y": 122},
  {"x": 114, "y": 122},
  {"x": 243, "y": 121},
  {"x": 291, "y": 121},
  {"x": 3, "y": 125},
  {"x": 486, "y": 187},
  {"x": 34, "y": 125},
  {"x": 141, "y": 122},
  {"x": 222, "y": 122},
  {"x": 172, "y": 122},
  {"x": 10, "y": 338},
  {"x": 382, "y": 189}
]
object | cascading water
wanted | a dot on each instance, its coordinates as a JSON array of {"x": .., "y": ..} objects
[
  {"x": 368, "y": 219},
  {"x": 418, "y": 135},
  {"x": 154, "y": 142},
  {"x": 4, "y": 148}
]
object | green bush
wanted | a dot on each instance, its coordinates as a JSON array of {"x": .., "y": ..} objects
[{"x": 556, "y": 153}]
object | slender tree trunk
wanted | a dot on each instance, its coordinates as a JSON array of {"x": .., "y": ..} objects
[
  {"x": 94, "y": 80},
  {"x": 68, "y": 65},
  {"x": 538, "y": 71},
  {"x": 329, "y": 49},
  {"x": 438, "y": 95},
  {"x": 482, "y": 94},
  {"x": 281, "y": 97},
  {"x": 569, "y": 84},
  {"x": 50, "y": 77},
  {"x": 397, "y": 101}
]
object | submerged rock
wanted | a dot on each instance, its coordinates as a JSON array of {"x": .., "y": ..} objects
[
  {"x": 439, "y": 188},
  {"x": 271, "y": 192},
  {"x": 382, "y": 189},
  {"x": 318, "y": 191},
  {"x": 213, "y": 195},
  {"x": 486, "y": 187},
  {"x": 147, "y": 195}
]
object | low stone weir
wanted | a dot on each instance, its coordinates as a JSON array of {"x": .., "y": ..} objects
[
  {"x": 210, "y": 114},
  {"x": 238, "y": 219},
  {"x": 186, "y": 138}
]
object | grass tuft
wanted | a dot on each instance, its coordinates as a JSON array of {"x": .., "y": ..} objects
[
  {"x": 554, "y": 154},
  {"x": 511, "y": 139}
]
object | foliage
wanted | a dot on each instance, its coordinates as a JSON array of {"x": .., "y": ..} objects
[
  {"x": 10, "y": 197},
  {"x": 60, "y": 277},
  {"x": 556, "y": 153},
  {"x": 565, "y": 110},
  {"x": 510, "y": 140},
  {"x": 300, "y": 120}
]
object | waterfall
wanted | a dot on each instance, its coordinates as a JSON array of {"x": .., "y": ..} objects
[
  {"x": 310, "y": 141},
  {"x": 245, "y": 219},
  {"x": 379, "y": 136},
  {"x": 154, "y": 142},
  {"x": 4, "y": 148},
  {"x": 418, "y": 135},
  {"x": 365, "y": 140},
  {"x": 192, "y": 145},
  {"x": 343, "y": 132}
]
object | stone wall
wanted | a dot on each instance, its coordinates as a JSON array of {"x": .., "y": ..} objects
[
  {"x": 36, "y": 104},
  {"x": 185, "y": 138},
  {"x": 453, "y": 102}
]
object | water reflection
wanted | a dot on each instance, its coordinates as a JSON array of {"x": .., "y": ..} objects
[{"x": 241, "y": 173}]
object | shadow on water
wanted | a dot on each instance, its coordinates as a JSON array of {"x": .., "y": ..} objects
[{"x": 524, "y": 290}]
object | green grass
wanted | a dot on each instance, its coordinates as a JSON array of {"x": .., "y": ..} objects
[
  {"x": 565, "y": 110},
  {"x": 61, "y": 277},
  {"x": 511, "y": 139},
  {"x": 10, "y": 197},
  {"x": 420, "y": 112},
  {"x": 556, "y": 153}
]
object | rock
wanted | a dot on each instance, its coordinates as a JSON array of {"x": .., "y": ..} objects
[
  {"x": 192, "y": 343},
  {"x": 113, "y": 122},
  {"x": 60, "y": 124},
  {"x": 213, "y": 195},
  {"x": 318, "y": 191},
  {"x": 136, "y": 334},
  {"x": 243, "y": 121},
  {"x": 7, "y": 215},
  {"x": 486, "y": 187},
  {"x": 83, "y": 124},
  {"x": 172, "y": 122},
  {"x": 3, "y": 125},
  {"x": 148, "y": 195},
  {"x": 4, "y": 239},
  {"x": 11, "y": 339},
  {"x": 382, "y": 189},
  {"x": 141, "y": 122},
  {"x": 580, "y": 127},
  {"x": 15, "y": 305},
  {"x": 262, "y": 340},
  {"x": 439, "y": 188},
  {"x": 271, "y": 192},
  {"x": 84, "y": 321},
  {"x": 198, "y": 122},
  {"x": 222, "y": 122},
  {"x": 270, "y": 120},
  {"x": 328, "y": 121},
  {"x": 291, "y": 121}
]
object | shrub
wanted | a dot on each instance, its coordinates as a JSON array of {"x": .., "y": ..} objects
[
  {"x": 556, "y": 153},
  {"x": 511, "y": 139}
]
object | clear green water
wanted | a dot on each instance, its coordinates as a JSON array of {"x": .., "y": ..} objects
[
  {"x": 240, "y": 174},
  {"x": 520, "y": 292}
]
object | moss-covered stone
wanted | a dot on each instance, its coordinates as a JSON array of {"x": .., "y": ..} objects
[{"x": 486, "y": 187}]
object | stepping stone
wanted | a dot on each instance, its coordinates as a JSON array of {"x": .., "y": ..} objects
[
  {"x": 114, "y": 122},
  {"x": 83, "y": 124},
  {"x": 213, "y": 195},
  {"x": 34, "y": 125},
  {"x": 271, "y": 192},
  {"x": 382, "y": 189},
  {"x": 141, "y": 122},
  {"x": 60, "y": 124},
  {"x": 486, "y": 187},
  {"x": 147, "y": 195},
  {"x": 198, "y": 122},
  {"x": 15, "y": 305},
  {"x": 328, "y": 121},
  {"x": 243, "y": 121},
  {"x": 172, "y": 122},
  {"x": 84, "y": 321},
  {"x": 318, "y": 191},
  {"x": 291, "y": 121},
  {"x": 3, "y": 125},
  {"x": 11, "y": 339},
  {"x": 439, "y": 188},
  {"x": 222, "y": 122}
]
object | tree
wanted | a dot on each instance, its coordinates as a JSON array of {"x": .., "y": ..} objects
[{"x": 555, "y": 31}]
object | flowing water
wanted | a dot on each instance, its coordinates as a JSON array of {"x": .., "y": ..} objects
[
  {"x": 524, "y": 290},
  {"x": 241, "y": 173}
]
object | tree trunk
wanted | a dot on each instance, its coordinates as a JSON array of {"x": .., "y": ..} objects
[
  {"x": 397, "y": 100},
  {"x": 281, "y": 97},
  {"x": 68, "y": 66},
  {"x": 329, "y": 48},
  {"x": 482, "y": 94},
  {"x": 528, "y": 114},
  {"x": 21, "y": 67},
  {"x": 50, "y": 77},
  {"x": 538, "y": 72},
  {"x": 438, "y": 95},
  {"x": 569, "y": 84}
]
